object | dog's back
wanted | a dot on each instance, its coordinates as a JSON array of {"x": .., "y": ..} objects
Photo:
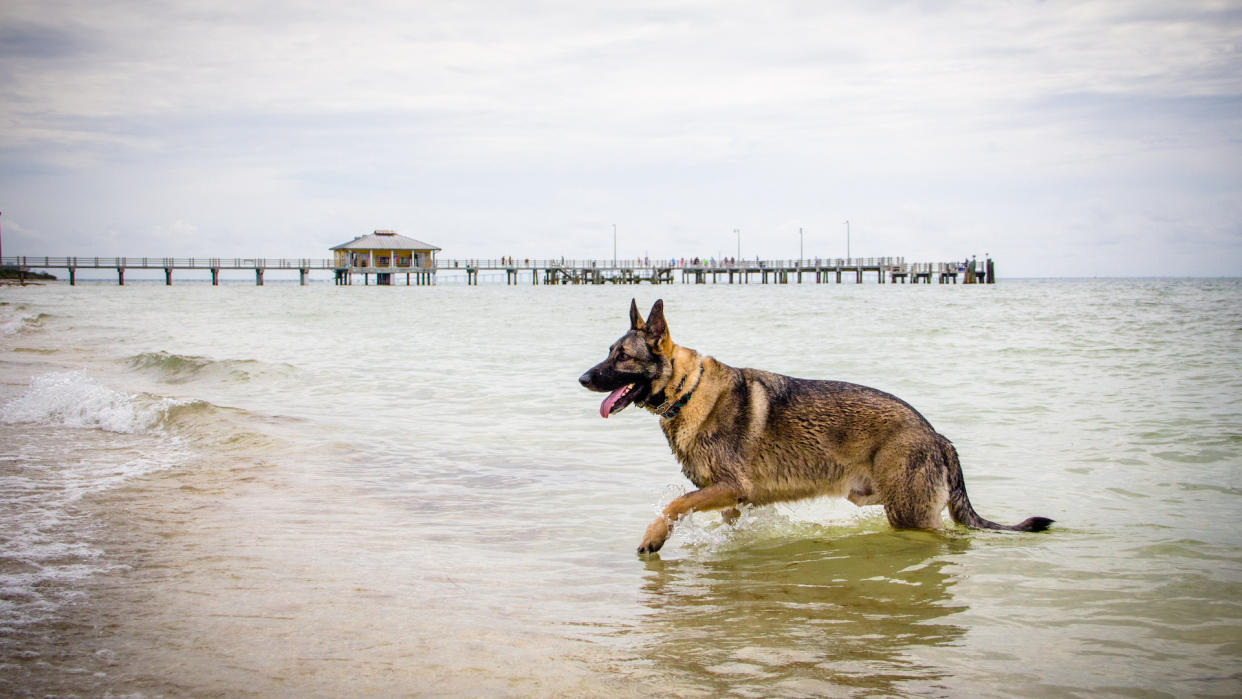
[{"x": 792, "y": 438}]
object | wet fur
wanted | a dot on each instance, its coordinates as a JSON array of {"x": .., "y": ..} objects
[{"x": 751, "y": 436}]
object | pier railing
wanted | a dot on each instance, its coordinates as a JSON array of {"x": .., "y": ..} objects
[
  {"x": 31, "y": 262},
  {"x": 668, "y": 263},
  {"x": 248, "y": 263},
  {"x": 553, "y": 270}
]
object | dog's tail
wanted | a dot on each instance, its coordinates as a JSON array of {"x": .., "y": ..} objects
[{"x": 959, "y": 504}]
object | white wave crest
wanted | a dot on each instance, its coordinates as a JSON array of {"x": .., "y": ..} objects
[{"x": 74, "y": 399}]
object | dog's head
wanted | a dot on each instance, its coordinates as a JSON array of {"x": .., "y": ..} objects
[{"x": 638, "y": 364}]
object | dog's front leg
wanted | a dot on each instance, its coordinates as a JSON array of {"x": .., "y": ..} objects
[{"x": 713, "y": 497}]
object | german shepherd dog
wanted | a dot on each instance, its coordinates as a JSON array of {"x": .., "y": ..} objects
[{"x": 751, "y": 436}]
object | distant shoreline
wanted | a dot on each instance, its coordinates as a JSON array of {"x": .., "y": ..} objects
[{"x": 11, "y": 275}]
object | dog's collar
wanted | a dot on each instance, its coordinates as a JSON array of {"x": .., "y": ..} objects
[{"x": 670, "y": 409}]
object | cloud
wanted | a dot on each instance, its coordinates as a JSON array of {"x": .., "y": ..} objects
[
  {"x": 1032, "y": 129},
  {"x": 31, "y": 40}
]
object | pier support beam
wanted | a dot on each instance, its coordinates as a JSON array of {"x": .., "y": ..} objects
[
  {"x": 302, "y": 274},
  {"x": 258, "y": 276},
  {"x": 215, "y": 276},
  {"x": 73, "y": 276},
  {"x": 167, "y": 276},
  {"x": 120, "y": 276}
]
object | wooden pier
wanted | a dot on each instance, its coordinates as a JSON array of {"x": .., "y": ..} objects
[{"x": 890, "y": 270}]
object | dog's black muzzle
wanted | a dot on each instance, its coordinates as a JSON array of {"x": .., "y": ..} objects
[
  {"x": 604, "y": 377},
  {"x": 588, "y": 380}
]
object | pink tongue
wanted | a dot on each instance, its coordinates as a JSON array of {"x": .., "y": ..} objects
[{"x": 606, "y": 407}]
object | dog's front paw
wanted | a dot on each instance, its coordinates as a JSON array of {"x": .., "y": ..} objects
[{"x": 657, "y": 533}]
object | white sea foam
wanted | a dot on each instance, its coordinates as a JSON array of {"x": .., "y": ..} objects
[{"x": 74, "y": 399}]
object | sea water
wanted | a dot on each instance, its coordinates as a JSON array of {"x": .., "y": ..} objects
[{"x": 332, "y": 491}]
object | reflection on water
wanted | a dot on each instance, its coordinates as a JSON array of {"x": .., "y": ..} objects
[{"x": 805, "y": 616}]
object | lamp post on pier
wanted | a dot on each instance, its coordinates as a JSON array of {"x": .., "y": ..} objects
[
  {"x": 847, "y": 240},
  {"x": 738, "y": 231}
]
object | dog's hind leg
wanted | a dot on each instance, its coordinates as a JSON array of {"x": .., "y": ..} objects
[
  {"x": 713, "y": 497},
  {"x": 912, "y": 486}
]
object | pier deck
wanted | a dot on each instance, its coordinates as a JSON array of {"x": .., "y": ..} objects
[{"x": 518, "y": 271}]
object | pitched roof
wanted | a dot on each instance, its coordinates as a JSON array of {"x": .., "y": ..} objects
[{"x": 384, "y": 240}]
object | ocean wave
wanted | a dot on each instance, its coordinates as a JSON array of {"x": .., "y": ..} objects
[
  {"x": 49, "y": 544},
  {"x": 169, "y": 364},
  {"x": 183, "y": 368},
  {"x": 16, "y": 319},
  {"x": 74, "y": 399}
]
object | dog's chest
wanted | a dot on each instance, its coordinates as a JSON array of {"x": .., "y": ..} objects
[
  {"x": 697, "y": 473},
  {"x": 700, "y": 462}
]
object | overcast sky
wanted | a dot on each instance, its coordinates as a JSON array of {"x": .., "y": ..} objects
[{"x": 1063, "y": 138}]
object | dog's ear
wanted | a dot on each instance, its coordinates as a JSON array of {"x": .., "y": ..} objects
[
  {"x": 657, "y": 326},
  {"x": 636, "y": 321}
]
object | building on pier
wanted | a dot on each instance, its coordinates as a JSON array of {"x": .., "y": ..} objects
[{"x": 384, "y": 254}]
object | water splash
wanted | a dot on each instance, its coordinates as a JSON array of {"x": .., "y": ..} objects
[{"x": 710, "y": 532}]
